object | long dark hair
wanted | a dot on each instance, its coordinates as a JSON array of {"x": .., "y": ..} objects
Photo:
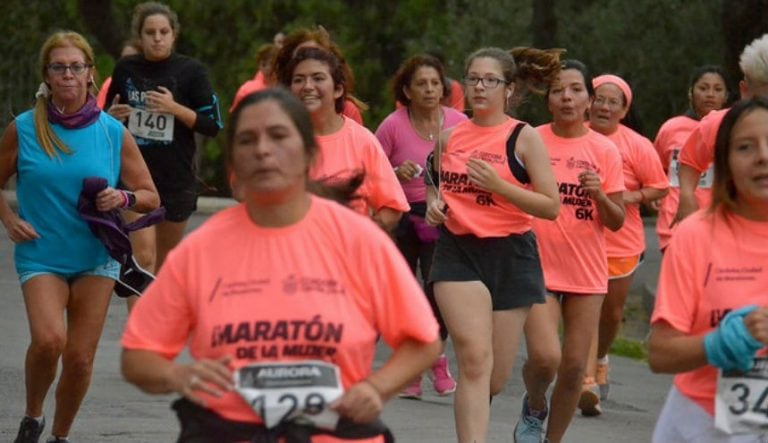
[
  {"x": 343, "y": 191},
  {"x": 723, "y": 189}
]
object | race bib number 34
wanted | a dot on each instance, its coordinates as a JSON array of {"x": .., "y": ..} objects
[
  {"x": 741, "y": 401},
  {"x": 295, "y": 391},
  {"x": 151, "y": 125}
]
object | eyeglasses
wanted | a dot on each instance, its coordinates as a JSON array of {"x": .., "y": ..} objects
[
  {"x": 488, "y": 82},
  {"x": 610, "y": 102},
  {"x": 74, "y": 68}
]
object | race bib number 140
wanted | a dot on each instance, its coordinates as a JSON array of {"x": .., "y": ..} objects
[
  {"x": 300, "y": 391},
  {"x": 151, "y": 125}
]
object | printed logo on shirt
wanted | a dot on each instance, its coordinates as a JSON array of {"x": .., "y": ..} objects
[
  {"x": 745, "y": 273},
  {"x": 574, "y": 195},
  {"x": 313, "y": 338},
  {"x": 237, "y": 288},
  {"x": 294, "y": 284},
  {"x": 489, "y": 157},
  {"x": 459, "y": 183},
  {"x": 572, "y": 163}
]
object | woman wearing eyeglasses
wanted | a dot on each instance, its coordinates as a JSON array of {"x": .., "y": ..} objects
[
  {"x": 646, "y": 182},
  {"x": 494, "y": 177},
  {"x": 165, "y": 99},
  {"x": 64, "y": 270}
]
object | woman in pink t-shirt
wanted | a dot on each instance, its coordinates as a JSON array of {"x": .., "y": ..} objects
[
  {"x": 317, "y": 78},
  {"x": 707, "y": 91},
  {"x": 588, "y": 170},
  {"x": 275, "y": 304},
  {"x": 407, "y": 137},
  {"x": 710, "y": 322},
  {"x": 645, "y": 182},
  {"x": 494, "y": 177},
  {"x": 318, "y": 37}
]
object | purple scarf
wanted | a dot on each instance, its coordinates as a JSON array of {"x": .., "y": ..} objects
[{"x": 80, "y": 119}]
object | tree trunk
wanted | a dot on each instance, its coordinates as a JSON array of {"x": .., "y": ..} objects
[
  {"x": 544, "y": 24},
  {"x": 743, "y": 21},
  {"x": 100, "y": 21}
]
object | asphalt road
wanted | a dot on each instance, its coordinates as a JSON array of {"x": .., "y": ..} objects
[{"x": 117, "y": 412}]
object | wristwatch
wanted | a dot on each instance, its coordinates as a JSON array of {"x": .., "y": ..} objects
[{"x": 131, "y": 199}]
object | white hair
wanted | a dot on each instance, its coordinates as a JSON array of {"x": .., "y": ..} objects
[{"x": 754, "y": 61}]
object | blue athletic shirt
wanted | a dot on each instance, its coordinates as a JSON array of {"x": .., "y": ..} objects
[{"x": 48, "y": 189}]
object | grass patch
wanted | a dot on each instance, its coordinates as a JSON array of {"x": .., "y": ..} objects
[{"x": 629, "y": 348}]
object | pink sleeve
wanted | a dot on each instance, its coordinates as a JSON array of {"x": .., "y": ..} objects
[
  {"x": 680, "y": 281},
  {"x": 351, "y": 111},
  {"x": 385, "y": 191},
  {"x": 696, "y": 152},
  {"x": 648, "y": 167},
  {"x": 162, "y": 319},
  {"x": 401, "y": 310},
  {"x": 457, "y": 96},
  {"x": 659, "y": 144},
  {"x": 614, "y": 172},
  {"x": 101, "y": 98},
  {"x": 384, "y": 134}
]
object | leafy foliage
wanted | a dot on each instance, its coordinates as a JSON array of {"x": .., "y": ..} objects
[{"x": 654, "y": 44}]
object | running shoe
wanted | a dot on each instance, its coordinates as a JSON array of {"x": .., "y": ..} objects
[
  {"x": 601, "y": 377},
  {"x": 53, "y": 439},
  {"x": 413, "y": 390},
  {"x": 589, "y": 401},
  {"x": 530, "y": 427},
  {"x": 30, "y": 430},
  {"x": 442, "y": 380}
]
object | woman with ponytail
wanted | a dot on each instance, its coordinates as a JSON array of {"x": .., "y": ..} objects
[{"x": 64, "y": 270}]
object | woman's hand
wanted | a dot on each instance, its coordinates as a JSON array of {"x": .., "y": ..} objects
[
  {"x": 213, "y": 377},
  {"x": 109, "y": 199},
  {"x": 757, "y": 324},
  {"x": 483, "y": 175},
  {"x": 590, "y": 182},
  {"x": 118, "y": 111},
  {"x": 362, "y": 403},
  {"x": 435, "y": 213},
  {"x": 407, "y": 171},
  {"x": 19, "y": 230},
  {"x": 161, "y": 100}
]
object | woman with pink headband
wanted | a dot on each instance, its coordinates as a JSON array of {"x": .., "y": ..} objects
[{"x": 645, "y": 182}]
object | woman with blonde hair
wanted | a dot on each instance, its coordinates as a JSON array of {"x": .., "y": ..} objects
[{"x": 64, "y": 270}]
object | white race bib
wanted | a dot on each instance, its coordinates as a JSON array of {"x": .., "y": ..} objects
[
  {"x": 151, "y": 125},
  {"x": 674, "y": 166},
  {"x": 301, "y": 391},
  {"x": 741, "y": 401},
  {"x": 707, "y": 178},
  {"x": 705, "y": 181}
]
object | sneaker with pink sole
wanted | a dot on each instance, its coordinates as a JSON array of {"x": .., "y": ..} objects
[
  {"x": 442, "y": 380},
  {"x": 412, "y": 391}
]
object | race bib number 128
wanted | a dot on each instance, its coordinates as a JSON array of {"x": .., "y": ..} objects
[{"x": 300, "y": 391}]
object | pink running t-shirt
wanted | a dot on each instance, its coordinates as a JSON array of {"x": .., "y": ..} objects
[
  {"x": 401, "y": 142},
  {"x": 573, "y": 245},
  {"x": 714, "y": 264},
  {"x": 472, "y": 210},
  {"x": 324, "y": 288},
  {"x": 642, "y": 169},
  {"x": 352, "y": 149},
  {"x": 670, "y": 139}
]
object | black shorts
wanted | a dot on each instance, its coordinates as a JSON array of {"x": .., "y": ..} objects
[
  {"x": 179, "y": 205},
  {"x": 509, "y": 267}
]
